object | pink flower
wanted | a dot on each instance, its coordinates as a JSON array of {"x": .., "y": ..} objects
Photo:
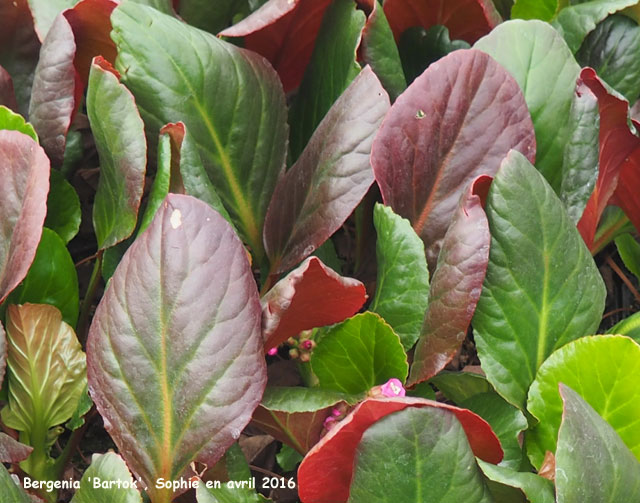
[
  {"x": 393, "y": 387},
  {"x": 272, "y": 351}
]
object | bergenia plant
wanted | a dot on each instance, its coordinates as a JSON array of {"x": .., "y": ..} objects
[{"x": 319, "y": 250}]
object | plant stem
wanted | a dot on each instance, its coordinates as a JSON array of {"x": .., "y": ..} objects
[
  {"x": 83, "y": 320},
  {"x": 72, "y": 444}
]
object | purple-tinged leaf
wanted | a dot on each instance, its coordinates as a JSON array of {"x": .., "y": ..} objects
[
  {"x": 456, "y": 121},
  {"x": 456, "y": 285},
  {"x": 119, "y": 134},
  {"x": 175, "y": 352},
  {"x": 3, "y": 353},
  {"x": 24, "y": 182},
  {"x": 314, "y": 198},
  {"x": 44, "y": 13},
  {"x": 312, "y": 295},
  {"x": 7, "y": 94},
  {"x": 56, "y": 90},
  {"x": 12, "y": 451}
]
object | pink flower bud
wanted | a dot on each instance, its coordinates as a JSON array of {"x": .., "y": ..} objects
[
  {"x": 393, "y": 387},
  {"x": 272, "y": 351}
]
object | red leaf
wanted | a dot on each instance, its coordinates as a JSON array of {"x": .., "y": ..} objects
[
  {"x": 325, "y": 473},
  {"x": 12, "y": 451},
  {"x": 284, "y": 32},
  {"x": 24, "y": 183},
  {"x": 457, "y": 121},
  {"x": 312, "y": 295},
  {"x": 619, "y": 160},
  {"x": 466, "y": 19},
  {"x": 7, "y": 94},
  {"x": 456, "y": 285}
]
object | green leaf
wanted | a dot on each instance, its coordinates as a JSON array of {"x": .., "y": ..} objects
[
  {"x": 52, "y": 279},
  {"x": 546, "y": 71},
  {"x": 107, "y": 468},
  {"x": 164, "y": 6},
  {"x": 537, "y": 489},
  {"x": 161, "y": 183},
  {"x": 122, "y": 147},
  {"x": 505, "y": 420},
  {"x": 16, "y": 122},
  {"x": 542, "y": 288},
  {"x": 288, "y": 458},
  {"x": 46, "y": 374},
  {"x": 402, "y": 288},
  {"x": 11, "y": 492},
  {"x": 227, "y": 494},
  {"x": 379, "y": 50},
  {"x": 604, "y": 371},
  {"x": 332, "y": 68},
  {"x": 63, "y": 207},
  {"x": 575, "y": 22},
  {"x": 535, "y": 9},
  {"x": 611, "y": 50},
  {"x": 416, "y": 455},
  {"x": 45, "y": 11},
  {"x": 420, "y": 47},
  {"x": 592, "y": 464},
  {"x": 630, "y": 327},
  {"x": 167, "y": 309},
  {"x": 240, "y": 129},
  {"x": 358, "y": 354},
  {"x": 459, "y": 386},
  {"x": 212, "y": 16},
  {"x": 629, "y": 251},
  {"x": 84, "y": 406}
]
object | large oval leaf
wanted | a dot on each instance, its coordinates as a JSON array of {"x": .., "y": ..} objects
[
  {"x": 24, "y": 182},
  {"x": 604, "y": 370},
  {"x": 175, "y": 353},
  {"x": 546, "y": 71},
  {"x": 453, "y": 123},
  {"x": 325, "y": 473},
  {"x": 432, "y": 461},
  {"x": 237, "y": 118},
  {"x": 542, "y": 288}
]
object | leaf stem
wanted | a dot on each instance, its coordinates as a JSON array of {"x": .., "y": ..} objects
[
  {"x": 611, "y": 263},
  {"x": 83, "y": 320}
]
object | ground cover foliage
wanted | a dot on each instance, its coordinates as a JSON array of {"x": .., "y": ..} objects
[{"x": 319, "y": 251}]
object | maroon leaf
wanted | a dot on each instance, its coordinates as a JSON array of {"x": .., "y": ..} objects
[
  {"x": 174, "y": 355},
  {"x": 24, "y": 183},
  {"x": 7, "y": 94},
  {"x": 619, "y": 160},
  {"x": 456, "y": 285},
  {"x": 284, "y": 32},
  {"x": 325, "y": 473},
  {"x": 466, "y": 19},
  {"x": 456, "y": 121},
  {"x": 314, "y": 198},
  {"x": 12, "y": 451},
  {"x": 313, "y": 295}
]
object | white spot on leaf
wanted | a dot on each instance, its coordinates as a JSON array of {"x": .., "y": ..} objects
[{"x": 176, "y": 219}]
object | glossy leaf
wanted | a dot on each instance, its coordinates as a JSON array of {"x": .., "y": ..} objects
[
  {"x": 312, "y": 295},
  {"x": 56, "y": 93},
  {"x": 10, "y": 490},
  {"x": 164, "y": 6},
  {"x": 456, "y": 285},
  {"x": 629, "y": 251},
  {"x": 45, "y": 11},
  {"x": 314, "y": 198},
  {"x": 420, "y": 47},
  {"x": 431, "y": 457},
  {"x": 119, "y": 134},
  {"x": 542, "y": 288},
  {"x": 534, "y": 9},
  {"x": 588, "y": 367},
  {"x": 105, "y": 468},
  {"x": 618, "y": 160},
  {"x": 51, "y": 279},
  {"x": 63, "y": 207},
  {"x": 546, "y": 71},
  {"x": 610, "y": 50},
  {"x": 226, "y": 494},
  {"x": 84, "y": 406},
  {"x": 209, "y": 16},
  {"x": 46, "y": 372},
  {"x": 381, "y": 53},
  {"x": 24, "y": 182},
  {"x": 466, "y": 19},
  {"x": 166, "y": 310},
  {"x": 161, "y": 181},
  {"x": 12, "y": 451},
  {"x": 19, "y": 49},
  {"x": 402, "y": 287},
  {"x": 284, "y": 32},
  {"x": 455, "y": 122},
  {"x": 358, "y": 354},
  {"x": 536, "y": 488},
  {"x": 240, "y": 129},
  {"x": 332, "y": 68},
  {"x": 295, "y": 416},
  {"x": 459, "y": 386},
  {"x": 325, "y": 473},
  {"x": 15, "y": 122},
  {"x": 630, "y": 327},
  {"x": 288, "y": 458},
  {"x": 575, "y": 22},
  {"x": 586, "y": 441}
]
